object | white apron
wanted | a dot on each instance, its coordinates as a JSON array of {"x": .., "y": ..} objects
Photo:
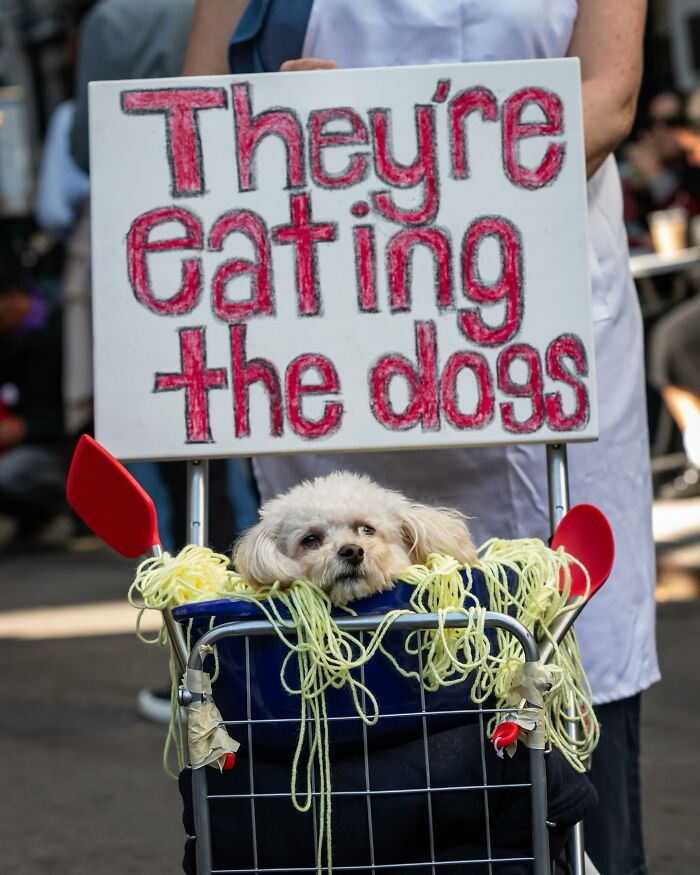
[{"x": 504, "y": 488}]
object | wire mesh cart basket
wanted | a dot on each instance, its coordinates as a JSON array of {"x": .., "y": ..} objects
[
  {"x": 418, "y": 788},
  {"x": 393, "y": 784}
]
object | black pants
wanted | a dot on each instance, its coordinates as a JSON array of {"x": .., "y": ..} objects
[{"x": 613, "y": 832}]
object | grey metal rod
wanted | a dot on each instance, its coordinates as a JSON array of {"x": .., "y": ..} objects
[
  {"x": 426, "y": 755},
  {"x": 197, "y": 488},
  {"x": 197, "y": 496},
  {"x": 559, "y": 503},
  {"x": 251, "y": 768},
  {"x": 368, "y": 623},
  {"x": 354, "y": 794},
  {"x": 401, "y": 715},
  {"x": 201, "y": 822},
  {"x": 379, "y": 867},
  {"x": 576, "y": 846},
  {"x": 365, "y": 756},
  {"x": 485, "y": 794},
  {"x": 560, "y": 627},
  {"x": 558, "y": 483},
  {"x": 538, "y": 798},
  {"x": 174, "y": 630}
]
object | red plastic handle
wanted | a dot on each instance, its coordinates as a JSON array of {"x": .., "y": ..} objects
[
  {"x": 585, "y": 533},
  {"x": 506, "y": 733},
  {"x": 108, "y": 499}
]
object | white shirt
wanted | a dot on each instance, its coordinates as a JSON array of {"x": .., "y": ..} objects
[{"x": 505, "y": 488}]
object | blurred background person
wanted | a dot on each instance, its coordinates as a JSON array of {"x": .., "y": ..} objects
[
  {"x": 674, "y": 352},
  {"x": 61, "y": 207},
  {"x": 674, "y": 342},
  {"x": 660, "y": 166},
  {"x": 118, "y": 39},
  {"x": 32, "y": 470},
  {"x": 130, "y": 39},
  {"x": 127, "y": 39},
  {"x": 653, "y": 165}
]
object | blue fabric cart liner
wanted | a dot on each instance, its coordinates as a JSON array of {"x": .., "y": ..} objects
[{"x": 261, "y": 697}]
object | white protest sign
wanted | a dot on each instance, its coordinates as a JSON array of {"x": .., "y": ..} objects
[{"x": 362, "y": 259}]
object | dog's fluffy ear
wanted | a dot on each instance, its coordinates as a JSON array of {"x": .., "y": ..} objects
[
  {"x": 436, "y": 530},
  {"x": 258, "y": 560}
]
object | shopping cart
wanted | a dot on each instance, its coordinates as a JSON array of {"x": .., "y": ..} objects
[
  {"x": 377, "y": 794},
  {"x": 420, "y": 728}
]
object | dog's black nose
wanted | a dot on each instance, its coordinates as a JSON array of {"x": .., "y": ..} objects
[{"x": 352, "y": 553}]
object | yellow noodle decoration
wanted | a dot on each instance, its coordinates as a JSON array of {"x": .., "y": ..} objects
[{"x": 327, "y": 656}]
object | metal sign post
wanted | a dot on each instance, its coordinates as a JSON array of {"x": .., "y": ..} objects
[
  {"x": 197, "y": 497},
  {"x": 559, "y": 503}
]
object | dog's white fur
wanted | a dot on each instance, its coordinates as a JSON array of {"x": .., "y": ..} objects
[{"x": 347, "y": 534}]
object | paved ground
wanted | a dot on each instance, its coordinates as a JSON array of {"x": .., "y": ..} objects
[
  {"x": 82, "y": 787},
  {"x": 82, "y": 784}
]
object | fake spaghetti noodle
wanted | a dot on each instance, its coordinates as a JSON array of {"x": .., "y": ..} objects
[{"x": 327, "y": 656}]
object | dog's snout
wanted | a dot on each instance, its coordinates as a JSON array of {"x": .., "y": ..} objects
[{"x": 351, "y": 553}]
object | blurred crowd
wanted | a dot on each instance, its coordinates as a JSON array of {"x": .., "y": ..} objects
[
  {"x": 45, "y": 299},
  {"x": 660, "y": 169},
  {"x": 45, "y": 285}
]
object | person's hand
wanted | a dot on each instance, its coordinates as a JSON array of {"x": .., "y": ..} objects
[
  {"x": 299, "y": 64},
  {"x": 13, "y": 430},
  {"x": 689, "y": 142}
]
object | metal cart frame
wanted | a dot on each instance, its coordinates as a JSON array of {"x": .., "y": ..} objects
[
  {"x": 558, "y": 489},
  {"x": 538, "y": 784}
]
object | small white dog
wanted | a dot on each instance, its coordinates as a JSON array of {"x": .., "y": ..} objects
[{"x": 348, "y": 535}]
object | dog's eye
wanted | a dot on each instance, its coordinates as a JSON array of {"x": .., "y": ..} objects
[
  {"x": 311, "y": 541},
  {"x": 365, "y": 529}
]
